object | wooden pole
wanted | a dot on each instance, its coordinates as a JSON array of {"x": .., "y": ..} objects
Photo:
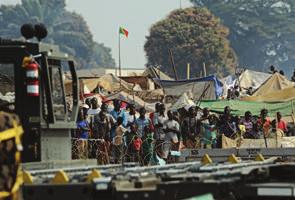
[
  {"x": 173, "y": 64},
  {"x": 188, "y": 71},
  {"x": 204, "y": 69}
]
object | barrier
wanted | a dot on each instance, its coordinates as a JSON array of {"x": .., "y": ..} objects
[{"x": 10, "y": 146}]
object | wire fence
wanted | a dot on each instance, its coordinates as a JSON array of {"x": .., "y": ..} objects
[
  {"x": 106, "y": 152},
  {"x": 147, "y": 154}
]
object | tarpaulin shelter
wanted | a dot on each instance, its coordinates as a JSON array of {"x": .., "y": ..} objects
[
  {"x": 154, "y": 72},
  {"x": 240, "y": 107},
  {"x": 132, "y": 99},
  {"x": 254, "y": 79},
  {"x": 283, "y": 95},
  {"x": 274, "y": 83},
  {"x": 108, "y": 82},
  {"x": 151, "y": 95},
  {"x": 194, "y": 87},
  {"x": 183, "y": 102}
]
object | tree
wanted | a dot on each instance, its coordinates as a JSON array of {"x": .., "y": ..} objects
[
  {"x": 262, "y": 32},
  {"x": 194, "y": 36},
  {"x": 66, "y": 29}
]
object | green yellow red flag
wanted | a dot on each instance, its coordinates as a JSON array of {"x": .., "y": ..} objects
[{"x": 123, "y": 31}]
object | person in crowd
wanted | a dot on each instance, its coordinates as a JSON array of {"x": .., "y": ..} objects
[
  {"x": 116, "y": 113},
  {"x": 274, "y": 132},
  {"x": 209, "y": 131},
  {"x": 159, "y": 135},
  {"x": 272, "y": 69},
  {"x": 172, "y": 129},
  {"x": 104, "y": 107},
  {"x": 82, "y": 125},
  {"x": 250, "y": 91},
  {"x": 118, "y": 140},
  {"x": 229, "y": 94},
  {"x": 281, "y": 124},
  {"x": 147, "y": 145},
  {"x": 156, "y": 113},
  {"x": 142, "y": 121},
  {"x": 88, "y": 102},
  {"x": 82, "y": 132},
  {"x": 190, "y": 128},
  {"x": 129, "y": 137},
  {"x": 282, "y": 72},
  {"x": 131, "y": 115},
  {"x": 94, "y": 110},
  {"x": 102, "y": 128},
  {"x": 137, "y": 148},
  {"x": 293, "y": 77},
  {"x": 263, "y": 124},
  {"x": 249, "y": 126},
  {"x": 227, "y": 124}
]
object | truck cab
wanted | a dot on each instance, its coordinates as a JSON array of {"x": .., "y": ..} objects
[{"x": 49, "y": 115}]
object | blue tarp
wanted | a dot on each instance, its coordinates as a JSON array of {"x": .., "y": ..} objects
[{"x": 217, "y": 83}]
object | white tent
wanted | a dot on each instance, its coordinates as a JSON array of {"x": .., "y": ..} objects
[
  {"x": 254, "y": 79},
  {"x": 183, "y": 102}
]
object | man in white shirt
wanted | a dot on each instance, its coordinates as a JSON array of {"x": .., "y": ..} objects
[
  {"x": 94, "y": 110},
  {"x": 171, "y": 128}
]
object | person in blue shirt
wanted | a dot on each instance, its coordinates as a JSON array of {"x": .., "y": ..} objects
[
  {"x": 82, "y": 126},
  {"x": 118, "y": 112},
  {"x": 142, "y": 122},
  {"x": 82, "y": 133}
]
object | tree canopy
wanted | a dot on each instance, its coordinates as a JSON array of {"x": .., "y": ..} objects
[
  {"x": 261, "y": 32},
  {"x": 66, "y": 29},
  {"x": 194, "y": 36}
]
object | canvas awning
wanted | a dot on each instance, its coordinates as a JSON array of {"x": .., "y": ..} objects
[{"x": 275, "y": 83}]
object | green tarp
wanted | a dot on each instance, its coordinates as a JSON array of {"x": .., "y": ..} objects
[{"x": 240, "y": 107}]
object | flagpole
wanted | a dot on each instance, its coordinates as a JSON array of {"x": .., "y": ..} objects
[
  {"x": 120, "y": 59},
  {"x": 119, "y": 54}
]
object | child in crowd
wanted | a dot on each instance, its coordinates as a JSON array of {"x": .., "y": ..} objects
[
  {"x": 83, "y": 131},
  {"x": 147, "y": 145},
  {"x": 118, "y": 140}
]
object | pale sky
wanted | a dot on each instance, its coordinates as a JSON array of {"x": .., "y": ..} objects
[{"x": 104, "y": 18}]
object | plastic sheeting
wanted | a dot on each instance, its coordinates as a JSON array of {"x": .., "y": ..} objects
[
  {"x": 194, "y": 87},
  {"x": 252, "y": 79},
  {"x": 138, "y": 102},
  {"x": 240, "y": 107},
  {"x": 182, "y": 102}
]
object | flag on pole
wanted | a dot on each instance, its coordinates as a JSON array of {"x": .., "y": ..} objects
[{"x": 123, "y": 31}]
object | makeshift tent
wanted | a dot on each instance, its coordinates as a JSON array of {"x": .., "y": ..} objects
[
  {"x": 275, "y": 83},
  {"x": 182, "y": 102},
  {"x": 240, "y": 107},
  {"x": 210, "y": 87},
  {"x": 153, "y": 72},
  {"x": 284, "y": 95},
  {"x": 108, "y": 82},
  {"x": 138, "y": 102},
  {"x": 252, "y": 79},
  {"x": 228, "y": 82},
  {"x": 151, "y": 95}
]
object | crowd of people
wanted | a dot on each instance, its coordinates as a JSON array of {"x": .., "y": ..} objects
[{"x": 127, "y": 134}]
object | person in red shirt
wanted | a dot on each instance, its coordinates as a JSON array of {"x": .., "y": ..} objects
[
  {"x": 263, "y": 124},
  {"x": 281, "y": 123}
]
